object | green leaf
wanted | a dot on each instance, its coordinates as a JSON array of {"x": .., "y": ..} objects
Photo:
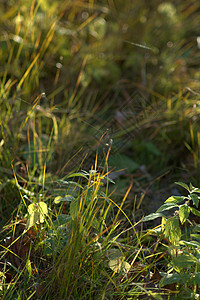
[
  {"x": 37, "y": 213},
  {"x": 117, "y": 262},
  {"x": 152, "y": 216},
  {"x": 195, "y": 199},
  {"x": 118, "y": 265},
  {"x": 184, "y": 211},
  {"x": 166, "y": 206},
  {"x": 62, "y": 219},
  {"x": 184, "y": 261},
  {"x": 175, "y": 199},
  {"x": 195, "y": 211},
  {"x": 184, "y": 185},
  {"x": 31, "y": 208},
  {"x": 172, "y": 278},
  {"x": 67, "y": 198},
  {"x": 79, "y": 174},
  {"x": 191, "y": 243},
  {"x": 33, "y": 219},
  {"x": 43, "y": 210},
  {"x": 172, "y": 230}
]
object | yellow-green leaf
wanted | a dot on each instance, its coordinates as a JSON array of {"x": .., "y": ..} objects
[
  {"x": 37, "y": 213},
  {"x": 172, "y": 230},
  {"x": 195, "y": 199},
  {"x": 118, "y": 265},
  {"x": 175, "y": 199},
  {"x": 184, "y": 211}
]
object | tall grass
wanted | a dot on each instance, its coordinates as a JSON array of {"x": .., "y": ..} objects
[{"x": 116, "y": 76}]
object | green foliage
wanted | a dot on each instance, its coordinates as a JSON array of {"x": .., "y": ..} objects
[
  {"x": 172, "y": 230},
  {"x": 183, "y": 244},
  {"x": 86, "y": 79},
  {"x": 37, "y": 213}
]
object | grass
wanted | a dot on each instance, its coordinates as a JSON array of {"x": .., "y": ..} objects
[{"x": 99, "y": 115}]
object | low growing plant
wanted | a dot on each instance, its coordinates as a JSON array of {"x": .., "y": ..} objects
[{"x": 179, "y": 234}]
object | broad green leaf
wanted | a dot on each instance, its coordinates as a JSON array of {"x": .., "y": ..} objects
[
  {"x": 31, "y": 208},
  {"x": 191, "y": 243},
  {"x": 37, "y": 213},
  {"x": 195, "y": 199},
  {"x": 62, "y": 219},
  {"x": 195, "y": 211},
  {"x": 41, "y": 206},
  {"x": 175, "y": 199},
  {"x": 57, "y": 199},
  {"x": 172, "y": 230},
  {"x": 166, "y": 206},
  {"x": 126, "y": 267},
  {"x": 116, "y": 261},
  {"x": 184, "y": 185},
  {"x": 184, "y": 211},
  {"x": 67, "y": 198},
  {"x": 184, "y": 261},
  {"x": 33, "y": 219},
  {"x": 152, "y": 217},
  {"x": 43, "y": 210},
  {"x": 118, "y": 265},
  {"x": 172, "y": 278}
]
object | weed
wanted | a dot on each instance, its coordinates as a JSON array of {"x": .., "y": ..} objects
[{"x": 180, "y": 230}]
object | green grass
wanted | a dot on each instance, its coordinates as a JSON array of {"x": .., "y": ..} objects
[{"x": 111, "y": 88}]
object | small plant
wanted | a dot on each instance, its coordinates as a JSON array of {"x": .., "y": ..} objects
[{"x": 180, "y": 231}]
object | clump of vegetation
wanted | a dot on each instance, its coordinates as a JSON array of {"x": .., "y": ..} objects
[
  {"x": 111, "y": 88},
  {"x": 181, "y": 232}
]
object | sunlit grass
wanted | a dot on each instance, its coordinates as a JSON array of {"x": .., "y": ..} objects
[{"x": 81, "y": 84}]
